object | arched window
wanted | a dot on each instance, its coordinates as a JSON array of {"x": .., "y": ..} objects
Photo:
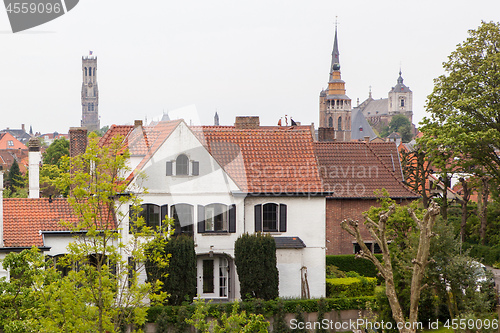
[
  {"x": 339, "y": 124},
  {"x": 151, "y": 214},
  {"x": 90, "y": 71},
  {"x": 330, "y": 122},
  {"x": 270, "y": 217},
  {"x": 402, "y": 102},
  {"x": 85, "y": 71},
  {"x": 182, "y": 165},
  {"x": 216, "y": 217}
]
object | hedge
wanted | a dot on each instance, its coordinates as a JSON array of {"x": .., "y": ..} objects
[
  {"x": 266, "y": 308},
  {"x": 349, "y": 262},
  {"x": 350, "y": 287},
  {"x": 488, "y": 255}
]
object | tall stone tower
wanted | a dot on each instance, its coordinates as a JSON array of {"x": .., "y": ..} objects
[
  {"x": 401, "y": 100},
  {"x": 334, "y": 104},
  {"x": 90, "y": 94}
]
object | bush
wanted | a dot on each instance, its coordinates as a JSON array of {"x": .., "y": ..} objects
[
  {"x": 488, "y": 255},
  {"x": 255, "y": 259},
  {"x": 180, "y": 282},
  {"x": 333, "y": 272},
  {"x": 349, "y": 262},
  {"x": 350, "y": 287}
]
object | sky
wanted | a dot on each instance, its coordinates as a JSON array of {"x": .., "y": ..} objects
[{"x": 266, "y": 58}]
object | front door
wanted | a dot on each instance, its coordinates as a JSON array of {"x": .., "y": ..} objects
[{"x": 213, "y": 277}]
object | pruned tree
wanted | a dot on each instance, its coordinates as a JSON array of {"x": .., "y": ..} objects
[{"x": 379, "y": 231}]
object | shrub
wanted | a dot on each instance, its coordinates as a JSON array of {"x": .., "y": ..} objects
[
  {"x": 333, "y": 272},
  {"x": 255, "y": 259},
  {"x": 349, "y": 262},
  {"x": 350, "y": 287},
  {"x": 180, "y": 283}
]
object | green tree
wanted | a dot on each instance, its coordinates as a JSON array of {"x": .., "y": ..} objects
[
  {"x": 407, "y": 234},
  {"x": 255, "y": 259},
  {"x": 464, "y": 109},
  {"x": 400, "y": 124},
  {"x": 179, "y": 277},
  {"x": 15, "y": 179},
  {"x": 57, "y": 149}
]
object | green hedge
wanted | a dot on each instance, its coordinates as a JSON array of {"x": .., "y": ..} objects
[
  {"x": 266, "y": 308},
  {"x": 488, "y": 255},
  {"x": 350, "y": 287},
  {"x": 348, "y": 262}
]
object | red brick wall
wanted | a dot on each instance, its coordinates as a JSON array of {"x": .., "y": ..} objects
[{"x": 339, "y": 241}]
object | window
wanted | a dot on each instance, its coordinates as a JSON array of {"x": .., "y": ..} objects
[
  {"x": 85, "y": 71},
  {"x": 330, "y": 122},
  {"x": 10, "y": 143},
  {"x": 223, "y": 270},
  {"x": 90, "y": 107},
  {"x": 183, "y": 219},
  {"x": 152, "y": 215},
  {"x": 339, "y": 124},
  {"x": 182, "y": 167},
  {"x": 402, "y": 101},
  {"x": 270, "y": 217},
  {"x": 217, "y": 218},
  {"x": 373, "y": 247}
]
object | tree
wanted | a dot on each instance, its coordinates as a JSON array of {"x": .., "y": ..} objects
[
  {"x": 15, "y": 177},
  {"x": 382, "y": 229},
  {"x": 179, "y": 277},
  {"x": 401, "y": 124},
  {"x": 57, "y": 149},
  {"x": 255, "y": 259},
  {"x": 416, "y": 170},
  {"x": 464, "y": 109}
]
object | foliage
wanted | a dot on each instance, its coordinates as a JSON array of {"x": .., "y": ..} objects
[
  {"x": 235, "y": 322},
  {"x": 52, "y": 179},
  {"x": 280, "y": 325},
  {"x": 349, "y": 262},
  {"x": 179, "y": 277},
  {"x": 334, "y": 272},
  {"x": 465, "y": 114},
  {"x": 15, "y": 179},
  {"x": 255, "y": 259},
  {"x": 400, "y": 124},
  {"x": 350, "y": 287},
  {"x": 300, "y": 318},
  {"x": 57, "y": 149}
]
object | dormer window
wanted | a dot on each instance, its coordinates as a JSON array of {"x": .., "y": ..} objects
[{"x": 183, "y": 166}]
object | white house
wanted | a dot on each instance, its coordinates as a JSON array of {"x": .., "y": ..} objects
[{"x": 217, "y": 183}]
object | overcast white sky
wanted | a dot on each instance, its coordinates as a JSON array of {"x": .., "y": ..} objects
[{"x": 266, "y": 58}]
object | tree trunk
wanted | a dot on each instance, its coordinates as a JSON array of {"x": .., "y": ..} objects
[
  {"x": 483, "y": 214},
  {"x": 444, "y": 206},
  {"x": 464, "y": 202}
]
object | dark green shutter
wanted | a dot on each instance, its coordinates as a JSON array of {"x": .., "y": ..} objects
[
  {"x": 282, "y": 218},
  {"x": 169, "y": 168},
  {"x": 163, "y": 214},
  {"x": 232, "y": 218},
  {"x": 201, "y": 219},
  {"x": 258, "y": 217}
]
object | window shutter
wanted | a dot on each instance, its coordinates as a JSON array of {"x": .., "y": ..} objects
[
  {"x": 232, "y": 218},
  {"x": 201, "y": 219},
  {"x": 169, "y": 168},
  {"x": 195, "y": 168},
  {"x": 258, "y": 217},
  {"x": 282, "y": 218},
  {"x": 163, "y": 213}
]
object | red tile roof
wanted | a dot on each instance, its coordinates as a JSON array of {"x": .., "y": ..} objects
[
  {"x": 276, "y": 160},
  {"x": 357, "y": 169},
  {"x": 24, "y": 220}
]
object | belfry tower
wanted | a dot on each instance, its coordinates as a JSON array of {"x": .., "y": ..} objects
[
  {"x": 90, "y": 94},
  {"x": 334, "y": 104}
]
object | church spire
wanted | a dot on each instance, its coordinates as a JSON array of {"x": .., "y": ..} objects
[{"x": 335, "y": 55}]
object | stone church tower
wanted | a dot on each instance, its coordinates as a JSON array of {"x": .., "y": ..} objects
[
  {"x": 90, "y": 94},
  {"x": 401, "y": 100},
  {"x": 334, "y": 104}
]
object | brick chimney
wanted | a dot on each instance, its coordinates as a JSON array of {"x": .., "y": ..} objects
[
  {"x": 137, "y": 123},
  {"x": 77, "y": 141},
  {"x": 35, "y": 157},
  {"x": 326, "y": 134},
  {"x": 248, "y": 122}
]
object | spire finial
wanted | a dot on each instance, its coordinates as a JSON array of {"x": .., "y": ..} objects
[
  {"x": 370, "y": 92},
  {"x": 335, "y": 54}
]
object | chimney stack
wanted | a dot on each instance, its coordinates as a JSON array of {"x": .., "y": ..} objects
[
  {"x": 248, "y": 122},
  {"x": 367, "y": 138},
  {"x": 35, "y": 157},
  {"x": 77, "y": 141},
  {"x": 137, "y": 123}
]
